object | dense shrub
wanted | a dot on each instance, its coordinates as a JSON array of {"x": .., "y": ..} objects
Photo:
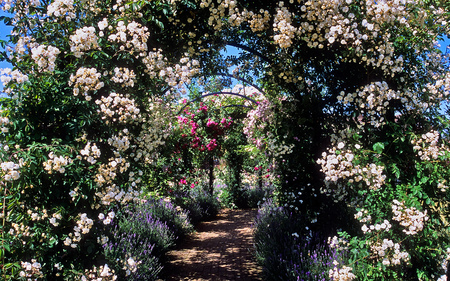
[
  {"x": 255, "y": 195},
  {"x": 199, "y": 204},
  {"x": 288, "y": 251},
  {"x": 225, "y": 196}
]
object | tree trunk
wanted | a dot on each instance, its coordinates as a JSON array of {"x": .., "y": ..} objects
[{"x": 211, "y": 175}]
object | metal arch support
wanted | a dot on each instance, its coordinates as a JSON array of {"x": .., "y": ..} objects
[{"x": 217, "y": 93}]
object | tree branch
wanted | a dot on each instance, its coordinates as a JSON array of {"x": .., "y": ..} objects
[
  {"x": 217, "y": 93},
  {"x": 241, "y": 79},
  {"x": 250, "y": 50}
]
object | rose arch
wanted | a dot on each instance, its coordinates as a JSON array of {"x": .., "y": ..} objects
[{"x": 352, "y": 133}]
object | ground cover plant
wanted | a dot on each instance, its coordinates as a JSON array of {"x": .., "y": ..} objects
[{"x": 342, "y": 107}]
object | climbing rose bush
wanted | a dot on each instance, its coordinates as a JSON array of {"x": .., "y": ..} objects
[{"x": 80, "y": 129}]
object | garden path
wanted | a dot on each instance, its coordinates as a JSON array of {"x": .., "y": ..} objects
[{"x": 220, "y": 250}]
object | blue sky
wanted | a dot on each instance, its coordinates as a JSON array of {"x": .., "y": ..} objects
[{"x": 4, "y": 30}]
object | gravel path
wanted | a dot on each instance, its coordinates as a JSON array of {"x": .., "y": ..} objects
[{"x": 219, "y": 250}]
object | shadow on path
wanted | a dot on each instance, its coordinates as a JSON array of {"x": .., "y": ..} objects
[{"x": 219, "y": 250}]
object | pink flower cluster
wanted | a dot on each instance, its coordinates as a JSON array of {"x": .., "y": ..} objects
[
  {"x": 211, "y": 145},
  {"x": 199, "y": 135}
]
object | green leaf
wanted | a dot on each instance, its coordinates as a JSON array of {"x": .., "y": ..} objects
[
  {"x": 378, "y": 147},
  {"x": 424, "y": 180}
]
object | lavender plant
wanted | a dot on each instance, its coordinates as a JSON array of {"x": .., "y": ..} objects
[
  {"x": 176, "y": 219},
  {"x": 287, "y": 250},
  {"x": 140, "y": 237},
  {"x": 142, "y": 222},
  {"x": 132, "y": 255}
]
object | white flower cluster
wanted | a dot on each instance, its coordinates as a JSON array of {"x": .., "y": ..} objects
[
  {"x": 373, "y": 99},
  {"x": 45, "y": 56},
  {"x": 106, "y": 219},
  {"x": 54, "y": 218},
  {"x": 62, "y": 8},
  {"x": 155, "y": 129},
  {"x": 102, "y": 240},
  {"x": 442, "y": 185},
  {"x": 338, "y": 164},
  {"x": 85, "y": 81},
  {"x": 56, "y": 163},
  {"x": 363, "y": 216},
  {"x": 10, "y": 171},
  {"x": 389, "y": 252},
  {"x": 74, "y": 193},
  {"x": 103, "y": 273},
  {"x": 410, "y": 218},
  {"x": 439, "y": 89},
  {"x": 132, "y": 8},
  {"x": 35, "y": 215},
  {"x": 283, "y": 28},
  {"x": 135, "y": 178},
  {"x": 84, "y": 225},
  {"x": 121, "y": 143},
  {"x": 31, "y": 270},
  {"x": 118, "y": 108},
  {"x": 5, "y": 5},
  {"x": 218, "y": 13},
  {"x": 276, "y": 147},
  {"x": 102, "y": 25},
  {"x": 8, "y": 75},
  {"x": 332, "y": 22},
  {"x": 341, "y": 274},
  {"x": 124, "y": 76},
  {"x": 133, "y": 36},
  {"x": 83, "y": 40},
  {"x": 131, "y": 266},
  {"x": 428, "y": 147},
  {"x": 259, "y": 21},
  {"x": 175, "y": 76},
  {"x": 113, "y": 194},
  {"x": 107, "y": 173},
  {"x": 4, "y": 122},
  {"x": 323, "y": 23},
  {"x": 384, "y": 226},
  {"x": 444, "y": 264},
  {"x": 19, "y": 229},
  {"x": 338, "y": 243},
  {"x": 109, "y": 192},
  {"x": 91, "y": 153}
]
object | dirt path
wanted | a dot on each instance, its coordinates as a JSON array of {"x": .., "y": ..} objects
[{"x": 219, "y": 250}]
